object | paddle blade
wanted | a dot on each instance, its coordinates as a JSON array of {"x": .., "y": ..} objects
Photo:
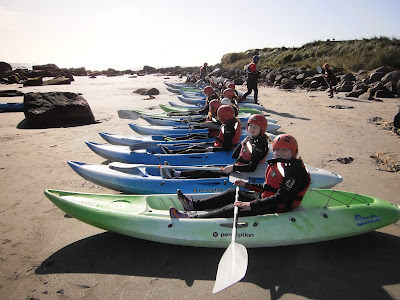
[
  {"x": 232, "y": 267},
  {"x": 128, "y": 114},
  {"x": 319, "y": 70}
]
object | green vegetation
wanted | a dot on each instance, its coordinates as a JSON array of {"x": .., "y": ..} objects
[{"x": 349, "y": 56}]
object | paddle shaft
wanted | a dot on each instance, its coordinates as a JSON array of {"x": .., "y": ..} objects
[{"x": 235, "y": 216}]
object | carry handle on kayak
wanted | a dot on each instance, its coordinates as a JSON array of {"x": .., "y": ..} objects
[{"x": 238, "y": 225}]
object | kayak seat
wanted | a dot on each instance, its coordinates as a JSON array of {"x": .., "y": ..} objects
[
  {"x": 163, "y": 202},
  {"x": 129, "y": 170}
]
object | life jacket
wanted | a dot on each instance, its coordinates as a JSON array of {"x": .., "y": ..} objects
[
  {"x": 246, "y": 153},
  {"x": 274, "y": 175},
  {"x": 219, "y": 141}
]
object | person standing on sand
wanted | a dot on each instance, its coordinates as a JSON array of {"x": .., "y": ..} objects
[
  {"x": 203, "y": 71},
  {"x": 330, "y": 78},
  {"x": 252, "y": 77}
]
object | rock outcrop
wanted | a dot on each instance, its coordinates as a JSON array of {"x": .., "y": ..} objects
[{"x": 56, "y": 109}]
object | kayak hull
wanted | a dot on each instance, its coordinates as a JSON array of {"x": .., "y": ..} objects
[
  {"x": 124, "y": 154},
  {"x": 146, "y": 179},
  {"x": 323, "y": 215}
]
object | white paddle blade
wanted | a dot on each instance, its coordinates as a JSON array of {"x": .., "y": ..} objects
[
  {"x": 235, "y": 176},
  {"x": 232, "y": 267},
  {"x": 128, "y": 114},
  {"x": 319, "y": 69}
]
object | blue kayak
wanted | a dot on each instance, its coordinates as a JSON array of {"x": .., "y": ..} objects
[
  {"x": 150, "y": 142},
  {"x": 165, "y": 130},
  {"x": 147, "y": 179},
  {"x": 126, "y": 155},
  {"x": 188, "y": 129},
  {"x": 12, "y": 107}
]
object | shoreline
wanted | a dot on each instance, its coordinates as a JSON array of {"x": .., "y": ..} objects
[{"x": 45, "y": 254}]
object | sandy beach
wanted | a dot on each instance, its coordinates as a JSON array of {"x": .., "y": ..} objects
[{"x": 46, "y": 254}]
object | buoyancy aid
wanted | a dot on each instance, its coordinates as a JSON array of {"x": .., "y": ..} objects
[
  {"x": 252, "y": 71},
  {"x": 219, "y": 141},
  {"x": 246, "y": 153},
  {"x": 275, "y": 175}
]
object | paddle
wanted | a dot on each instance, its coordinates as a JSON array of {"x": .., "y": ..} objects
[
  {"x": 128, "y": 114},
  {"x": 233, "y": 264}
]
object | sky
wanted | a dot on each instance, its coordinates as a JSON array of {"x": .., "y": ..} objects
[{"x": 128, "y": 34}]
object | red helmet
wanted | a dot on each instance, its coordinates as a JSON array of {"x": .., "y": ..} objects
[
  {"x": 228, "y": 93},
  {"x": 225, "y": 113},
  {"x": 231, "y": 86},
  {"x": 326, "y": 66},
  {"x": 259, "y": 120},
  {"x": 208, "y": 90},
  {"x": 215, "y": 104},
  {"x": 285, "y": 141}
]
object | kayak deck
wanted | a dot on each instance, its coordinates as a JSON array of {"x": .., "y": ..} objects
[{"x": 323, "y": 215}]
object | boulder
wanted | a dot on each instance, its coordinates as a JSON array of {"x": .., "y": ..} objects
[
  {"x": 345, "y": 86},
  {"x": 36, "y": 81},
  {"x": 391, "y": 76},
  {"x": 287, "y": 84},
  {"x": 383, "y": 94},
  {"x": 149, "y": 92},
  {"x": 149, "y": 70},
  {"x": 11, "y": 93},
  {"x": 396, "y": 120},
  {"x": 57, "y": 81},
  {"x": 56, "y": 109},
  {"x": 313, "y": 84},
  {"x": 238, "y": 81},
  {"x": 348, "y": 77},
  {"x": 4, "y": 67},
  {"x": 391, "y": 86},
  {"x": 398, "y": 88},
  {"x": 374, "y": 77}
]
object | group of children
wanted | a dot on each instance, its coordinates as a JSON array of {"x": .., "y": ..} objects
[{"x": 286, "y": 177}]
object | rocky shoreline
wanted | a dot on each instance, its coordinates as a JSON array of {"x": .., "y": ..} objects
[{"x": 382, "y": 82}]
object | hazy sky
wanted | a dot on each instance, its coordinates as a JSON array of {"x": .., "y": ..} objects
[{"x": 126, "y": 34}]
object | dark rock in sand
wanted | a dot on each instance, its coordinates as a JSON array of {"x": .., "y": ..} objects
[
  {"x": 56, "y": 109},
  {"x": 11, "y": 93},
  {"x": 383, "y": 94},
  {"x": 149, "y": 70},
  {"x": 393, "y": 76},
  {"x": 398, "y": 87},
  {"x": 4, "y": 67},
  {"x": 152, "y": 91},
  {"x": 57, "y": 81},
  {"x": 238, "y": 81},
  {"x": 37, "y": 81}
]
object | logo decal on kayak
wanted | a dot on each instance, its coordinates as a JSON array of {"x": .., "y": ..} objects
[
  {"x": 365, "y": 220},
  {"x": 229, "y": 234},
  {"x": 207, "y": 190}
]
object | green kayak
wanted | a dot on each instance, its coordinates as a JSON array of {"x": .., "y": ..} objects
[{"x": 323, "y": 215}]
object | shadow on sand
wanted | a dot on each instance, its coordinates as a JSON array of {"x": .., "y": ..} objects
[{"x": 357, "y": 266}]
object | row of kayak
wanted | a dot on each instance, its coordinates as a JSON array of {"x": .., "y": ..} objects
[{"x": 138, "y": 168}]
